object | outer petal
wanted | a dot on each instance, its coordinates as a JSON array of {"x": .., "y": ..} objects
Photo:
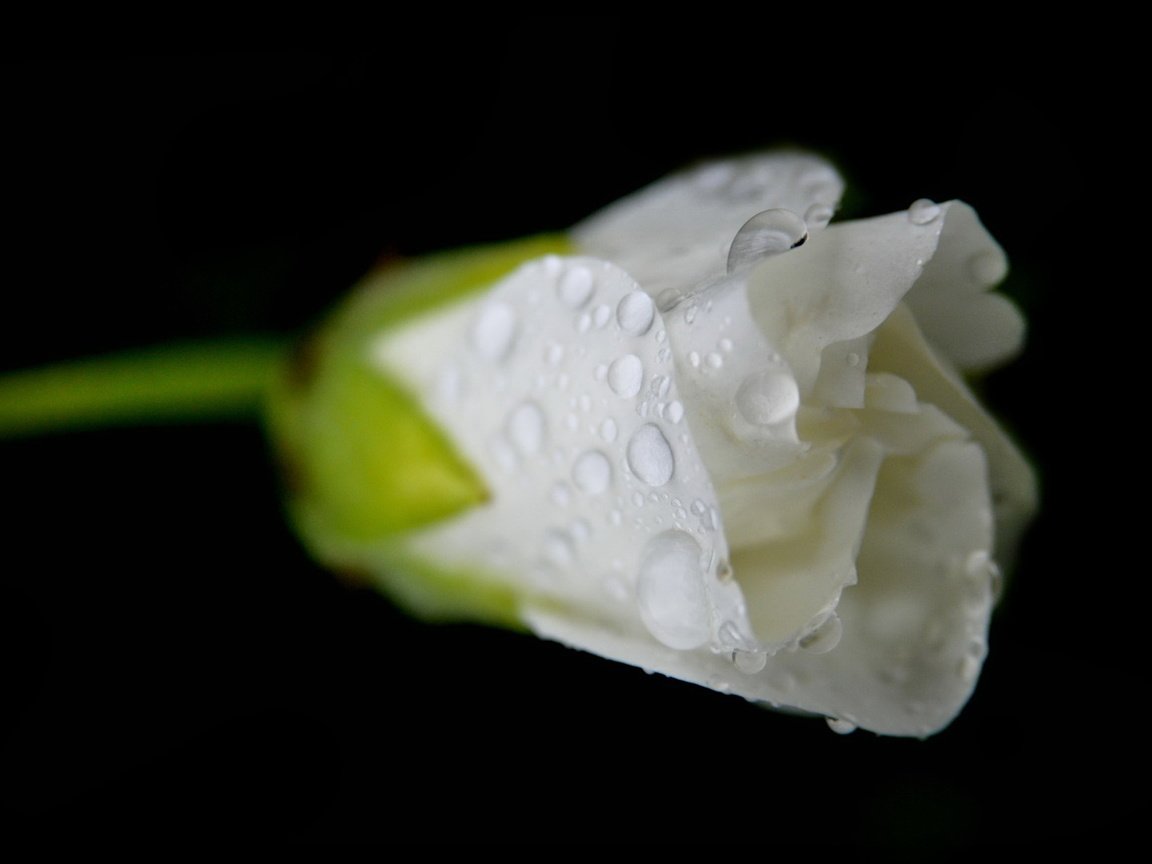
[{"x": 559, "y": 386}]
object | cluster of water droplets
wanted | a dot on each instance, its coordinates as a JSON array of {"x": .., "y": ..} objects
[{"x": 570, "y": 383}]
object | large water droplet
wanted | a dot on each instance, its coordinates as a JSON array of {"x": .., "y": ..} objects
[
  {"x": 494, "y": 331},
  {"x": 670, "y": 591},
  {"x": 767, "y": 233},
  {"x": 526, "y": 428},
  {"x": 625, "y": 376},
  {"x": 923, "y": 211},
  {"x": 841, "y": 726},
  {"x": 636, "y": 312},
  {"x": 592, "y": 472},
  {"x": 768, "y": 397},
  {"x": 576, "y": 287},
  {"x": 650, "y": 456}
]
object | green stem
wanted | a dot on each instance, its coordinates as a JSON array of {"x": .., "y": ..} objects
[{"x": 174, "y": 383}]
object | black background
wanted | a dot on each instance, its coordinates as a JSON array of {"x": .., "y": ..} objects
[{"x": 177, "y": 665}]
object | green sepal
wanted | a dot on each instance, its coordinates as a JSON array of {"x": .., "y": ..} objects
[{"x": 364, "y": 463}]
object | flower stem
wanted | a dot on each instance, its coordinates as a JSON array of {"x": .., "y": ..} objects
[{"x": 175, "y": 383}]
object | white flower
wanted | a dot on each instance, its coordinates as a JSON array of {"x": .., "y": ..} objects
[{"x": 709, "y": 434}]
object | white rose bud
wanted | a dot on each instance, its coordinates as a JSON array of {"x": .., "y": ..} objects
[{"x": 707, "y": 433}]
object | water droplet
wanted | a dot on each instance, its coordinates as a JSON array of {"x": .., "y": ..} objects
[
  {"x": 635, "y": 313},
  {"x": 650, "y": 456},
  {"x": 580, "y": 530},
  {"x": 601, "y": 315},
  {"x": 670, "y": 591},
  {"x": 592, "y": 472},
  {"x": 601, "y": 372},
  {"x": 818, "y": 216},
  {"x": 494, "y": 331},
  {"x": 768, "y": 397},
  {"x": 572, "y": 422},
  {"x": 923, "y": 211},
  {"x": 767, "y": 233},
  {"x": 690, "y": 313},
  {"x": 840, "y": 726},
  {"x": 583, "y": 323},
  {"x": 694, "y": 359},
  {"x": 615, "y": 517},
  {"x": 575, "y": 287},
  {"x": 699, "y": 507},
  {"x": 726, "y": 346},
  {"x": 715, "y": 360},
  {"x": 625, "y": 376},
  {"x": 561, "y": 495},
  {"x": 526, "y": 428},
  {"x": 749, "y": 662},
  {"x": 637, "y": 500},
  {"x": 555, "y": 355},
  {"x": 675, "y": 411},
  {"x": 823, "y": 637},
  {"x": 608, "y": 430},
  {"x": 853, "y": 359},
  {"x": 660, "y": 337},
  {"x": 585, "y": 402}
]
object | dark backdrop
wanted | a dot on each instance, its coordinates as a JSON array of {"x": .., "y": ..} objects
[{"x": 177, "y": 664}]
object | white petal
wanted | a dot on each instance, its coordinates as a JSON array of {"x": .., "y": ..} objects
[
  {"x": 600, "y": 503},
  {"x": 676, "y": 234},
  {"x": 901, "y": 349},
  {"x": 974, "y": 329}
]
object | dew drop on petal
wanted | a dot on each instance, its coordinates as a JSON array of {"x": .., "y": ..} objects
[
  {"x": 923, "y": 211},
  {"x": 494, "y": 331},
  {"x": 818, "y": 216},
  {"x": 608, "y": 430},
  {"x": 715, "y": 360},
  {"x": 767, "y": 233},
  {"x": 749, "y": 662},
  {"x": 635, "y": 312},
  {"x": 601, "y": 315},
  {"x": 592, "y": 472},
  {"x": 674, "y": 411},
  {"x": 767, "y": 397},
  {"x": 625, "y": 376},
  {"x": 841, "y": 726},
  {"x": 526, "y": 428},
  {"x": 670, "y": 591},
  {"x": 576, "y": 287},
  {"x": 650, "y": 456},
  {"x": 824, "y": 637}
]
